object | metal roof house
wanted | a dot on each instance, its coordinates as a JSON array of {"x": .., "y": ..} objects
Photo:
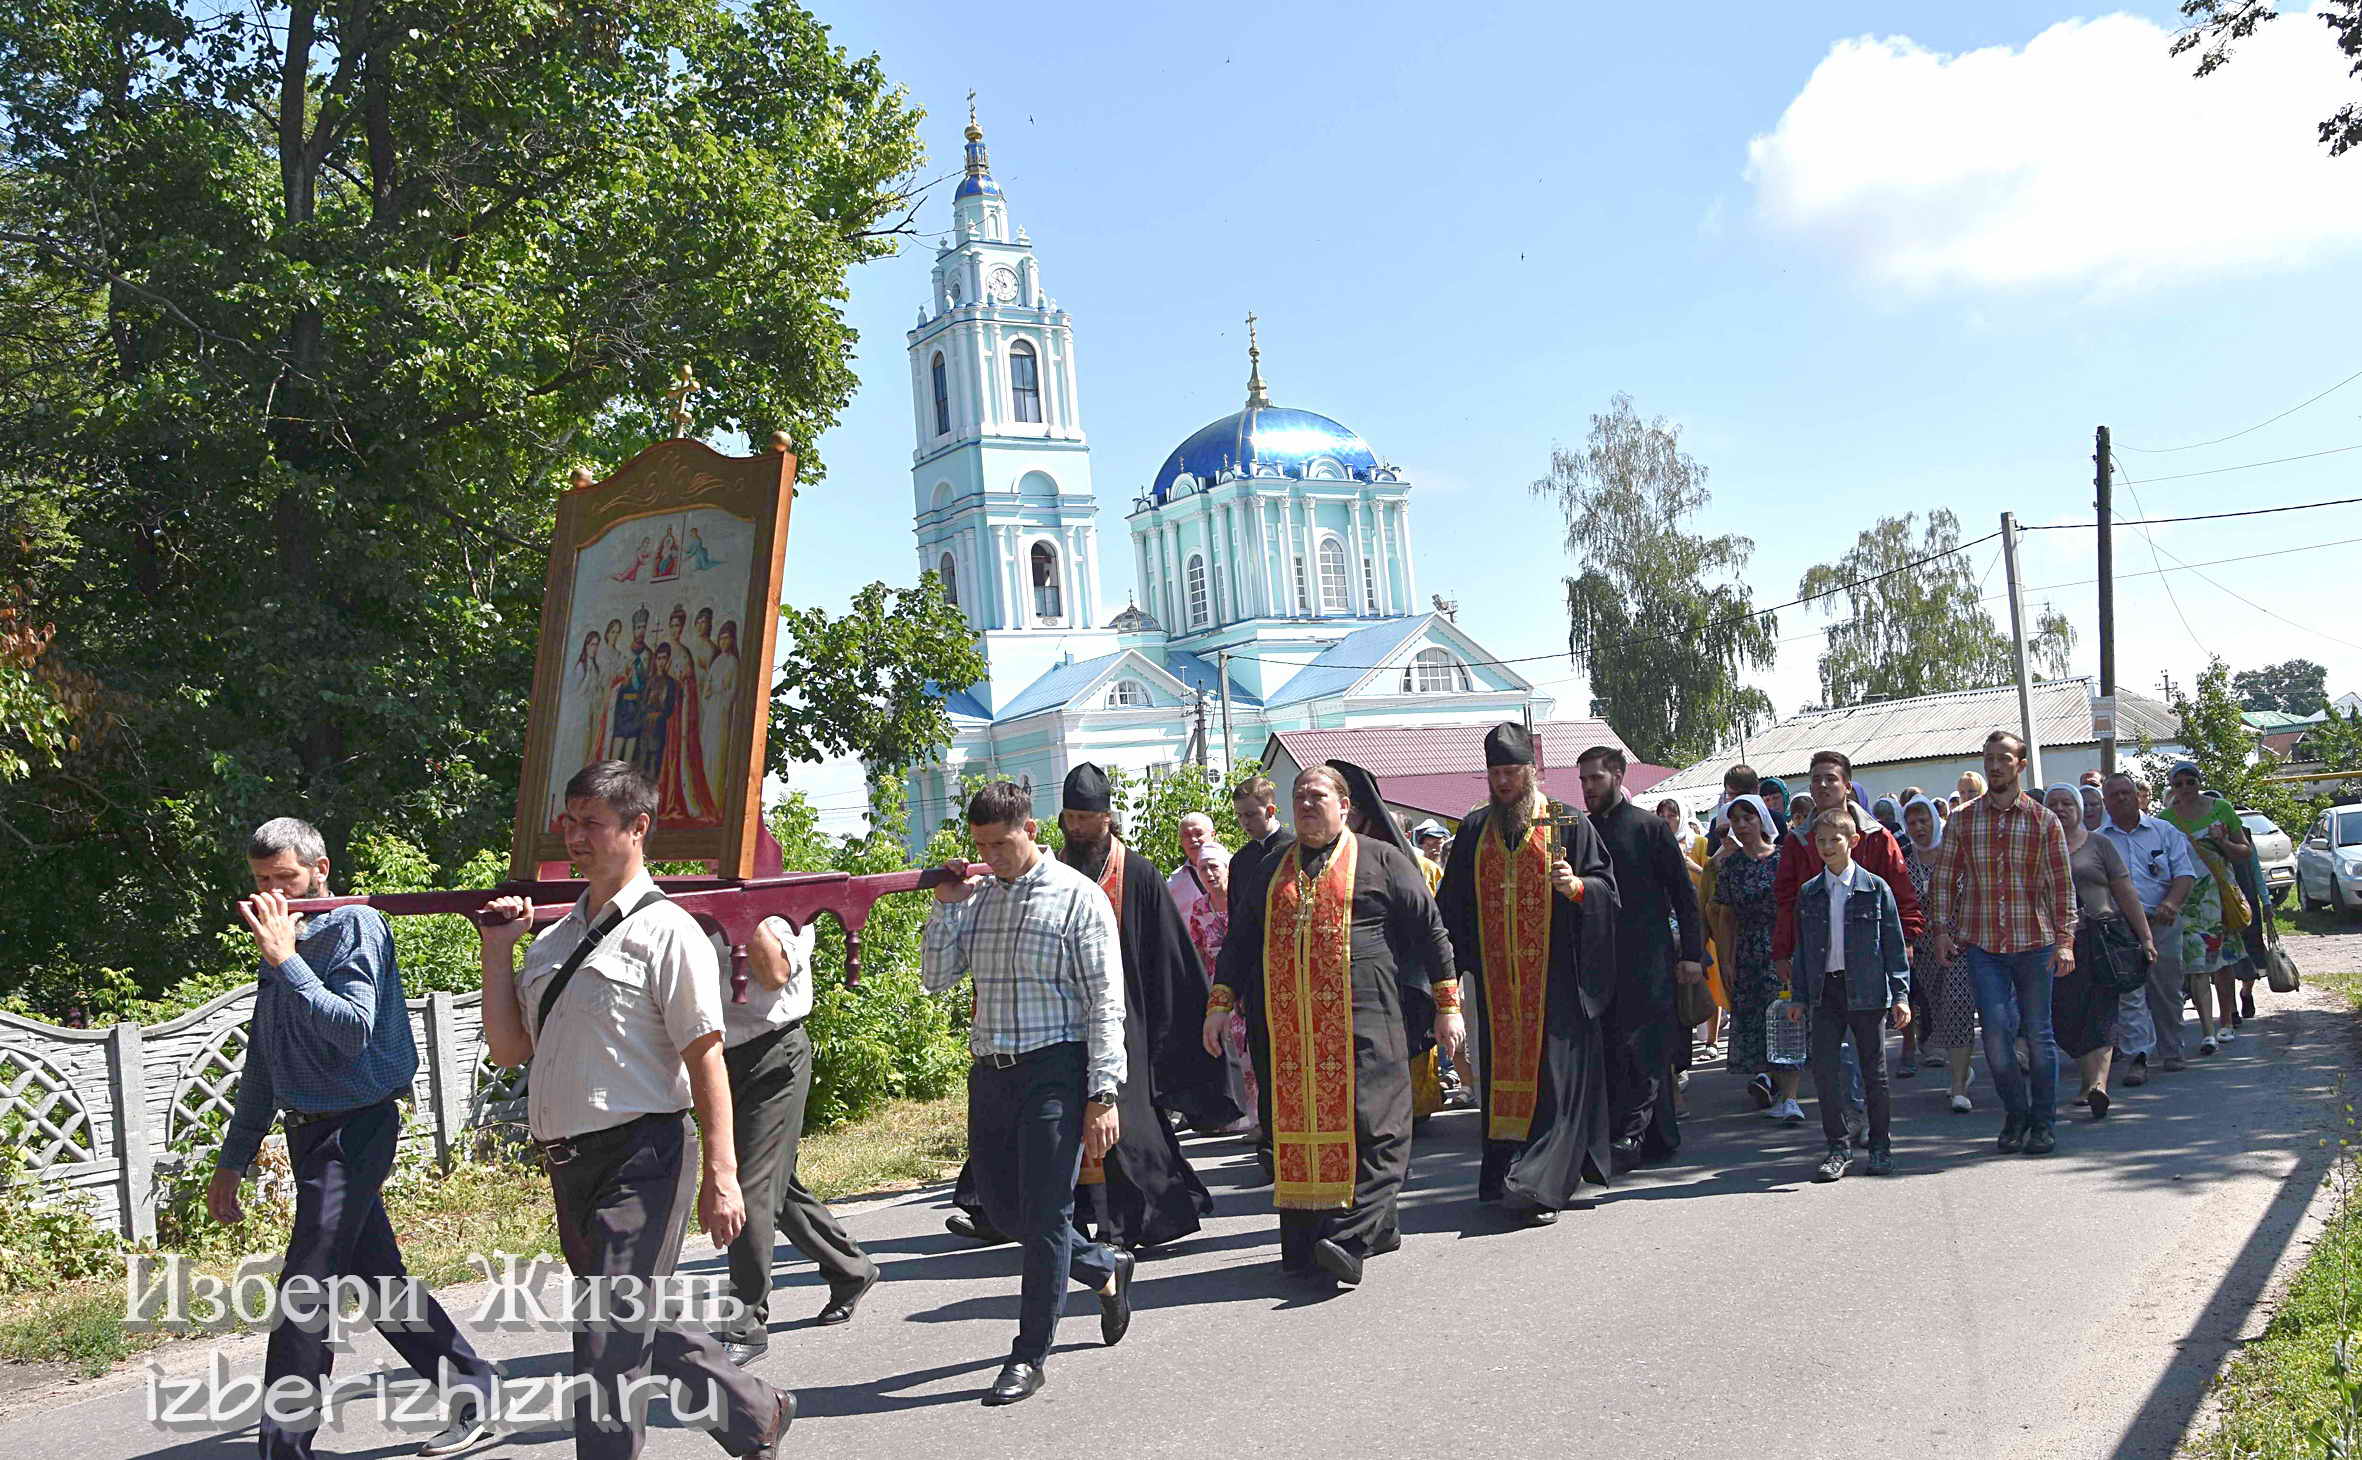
[
  {"x": 1438, "y": 770},
  {"x": 1928, "y": 740}
]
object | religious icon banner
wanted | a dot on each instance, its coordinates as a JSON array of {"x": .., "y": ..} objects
[{"x": 657, "y": 631}]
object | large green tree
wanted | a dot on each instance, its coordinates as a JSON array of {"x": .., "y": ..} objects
[
  {"x": 2216, "y": 26},
  {"x": 1655, "y": 615},
  {"x": 2296, "y": 686},
  {"x": 305, "y": 311},
  {"x": 1912, "y": 622}
]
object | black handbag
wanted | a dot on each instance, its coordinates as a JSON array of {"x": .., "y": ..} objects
[{"x": 2108, "y": 948}]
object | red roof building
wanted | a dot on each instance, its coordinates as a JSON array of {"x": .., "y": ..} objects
[{"x": 1438, "y": 770}]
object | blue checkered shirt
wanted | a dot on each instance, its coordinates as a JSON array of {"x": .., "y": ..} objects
[
  {"x": 1043, "y": 952},
  {"x": 330, "y": 1031}
]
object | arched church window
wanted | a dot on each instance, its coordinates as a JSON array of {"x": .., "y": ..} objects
[
  {"x": 942, "y": 396},
  {"x": 949, "y": 572},
  {"x": 1025, "y": 382},
  {"x": 1435, "y": 672},
  {"x": 1333, "y": 583},
  {"x": 1127, "y": 694},
  {"x": 1047, "y": 605},
  {"x": 1199, "y": 609},
  {"x": 1369, "y": 585}
]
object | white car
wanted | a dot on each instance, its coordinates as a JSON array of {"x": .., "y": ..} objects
[
  {"x": 2275, "y": 854},
  {"x": 2329, "y": 864}
]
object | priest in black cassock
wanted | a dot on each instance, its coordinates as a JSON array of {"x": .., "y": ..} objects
[
  {"x": 1532, "y": 913},
  {"x": 1367, "y": 816},
  {"x": 1660, "y": 939},
  {"x": 1144, "y": 1193},
  {"x": 1325, "y": 940}
]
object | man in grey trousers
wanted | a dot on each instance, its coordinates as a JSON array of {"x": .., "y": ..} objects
[
  {"x": 769, "y": 1056},
  {"x": 2163, "y": 868}
]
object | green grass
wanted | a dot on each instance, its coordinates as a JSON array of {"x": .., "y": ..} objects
[
  {"x": 2282, "y": 1396},
  {"x": 483, "y": 1206}
]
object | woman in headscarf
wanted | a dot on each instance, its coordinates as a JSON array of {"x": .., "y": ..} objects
[
  {"x": 1744, "y": 909},
  {"x": 1950, "y": 1016},
  {"x": 1691, "y": 838},
  {"x": 1889, "y": 813},
  {"x": 2082, "y": 1004},
  {"x": 1773, "y": 792}
]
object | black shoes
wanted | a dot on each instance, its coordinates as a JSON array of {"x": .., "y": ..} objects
[
  {"x": 975, "y": 1229},
  {"x": 1624, "y": 1155},
  {"x": 781, "y": 1417},
  {"x": 2013, "y": 1135},
  {"x": 1528, "y": 1214},
  {"x": 1882, "y": 1161},
  {"x": 1337, "y": 1262},
  {"x": 464, "y": 1433},
  {"x": 2139, "y": 1073},
  {"x": 740, "y": 1352},
  {"x": 2039, "y": 1140},
  {"x": 2247, "y": 1000},
  {"x": 1018, "y": 1381},
  {"x": 2099, "y": 1103},
  {"x": 841, "y": 1304},
  {"x": 1759, "y": 1090},
  {"x": 1833, "y": 1165},
  {"x": 1115, "y": 1305}
]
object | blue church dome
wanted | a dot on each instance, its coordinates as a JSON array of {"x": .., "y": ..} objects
[{"x": 1265, "y": 437}]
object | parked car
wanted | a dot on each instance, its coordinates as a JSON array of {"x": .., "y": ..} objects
[
  {"x": 2275, "y": 854},
  {"x": 2329, "y": 863}
]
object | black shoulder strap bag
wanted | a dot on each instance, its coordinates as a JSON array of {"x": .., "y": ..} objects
[{"x": 590, "y": 940}]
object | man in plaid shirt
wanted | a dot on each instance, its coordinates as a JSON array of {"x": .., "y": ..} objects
[
  {"x": 2002, "y": 894},
  {"x": 1039, "y": 939}
]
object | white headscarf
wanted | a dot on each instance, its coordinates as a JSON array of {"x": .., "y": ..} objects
[
  {"x": 1762, "y": 810},
  {"x": 2074, "y": 794},
  {"x": 1935, "y": 816}
]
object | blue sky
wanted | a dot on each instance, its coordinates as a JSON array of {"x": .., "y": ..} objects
[{"x": 1464, "y": 229}]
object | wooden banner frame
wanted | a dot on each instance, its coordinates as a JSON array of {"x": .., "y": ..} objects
[{"x": 670, "y": 478}]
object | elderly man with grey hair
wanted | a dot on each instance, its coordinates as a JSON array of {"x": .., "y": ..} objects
[{"x": 330, "y": 1047}]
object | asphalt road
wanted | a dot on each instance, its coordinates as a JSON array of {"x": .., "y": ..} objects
[{"x": 1971, "y": 1305}]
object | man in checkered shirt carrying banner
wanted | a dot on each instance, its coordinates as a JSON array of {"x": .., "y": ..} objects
[{"x": 1039, "y": 939}]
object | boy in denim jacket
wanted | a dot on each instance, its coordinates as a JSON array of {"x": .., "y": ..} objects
[{"x": 1851, "y": 973}]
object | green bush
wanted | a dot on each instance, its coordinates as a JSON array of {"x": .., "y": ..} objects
[{"x": 47, "y": 1234}]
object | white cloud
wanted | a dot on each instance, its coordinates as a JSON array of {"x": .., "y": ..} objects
[{"x": 2091, "y": 157}]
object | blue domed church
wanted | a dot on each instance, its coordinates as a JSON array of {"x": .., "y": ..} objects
[{"x": 1272, "y": 550}]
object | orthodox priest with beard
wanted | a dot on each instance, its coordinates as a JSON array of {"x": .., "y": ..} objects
[
  {"x": 1144, "y": 1193},
  {"x": 1532, "y": 913},
  {"x": 1325, "y": 938}
]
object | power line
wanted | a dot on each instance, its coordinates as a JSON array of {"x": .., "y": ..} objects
[
  {"x": 2244, "y": 466},
  {"x": 2310, "y": 547},
  {"x": 2259, "y": 608},
  {"x": 2258, "y": 426},
  {"x": 2166, "y": 583}
]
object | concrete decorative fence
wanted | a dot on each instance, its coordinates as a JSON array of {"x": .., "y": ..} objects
[{"x": 102, "y": 1110}]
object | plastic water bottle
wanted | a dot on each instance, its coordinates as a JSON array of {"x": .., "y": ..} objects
[{"x": 1787, "y": 1041}]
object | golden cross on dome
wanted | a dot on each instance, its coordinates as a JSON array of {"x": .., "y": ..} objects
[
  {"x": 1256, "y": 394},
  {"x": 680, "y": 393}
]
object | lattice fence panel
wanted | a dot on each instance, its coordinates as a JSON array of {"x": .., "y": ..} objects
[
  {"x": 51, "y": 1124},
  {"x": 209, "y": 1085}
]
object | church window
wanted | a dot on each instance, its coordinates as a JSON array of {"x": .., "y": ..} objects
[
  {"x": 1435, "y": 672},
  {"x": 949, "y": 572},
  {"x": 942, "y": 397},
  {"x": 1369, "y": 585},
  {"x": 1127, "y": 694},
  {"x": 1025, "y": 382},
  {"x": 1047, "y": 606},
  {"x": 1198, "y": 607},
  {"x": 1303, "y": 599},
  {"x": 1332, "y": 577}
]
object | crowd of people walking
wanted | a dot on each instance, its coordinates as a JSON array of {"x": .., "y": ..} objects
[{"x": 1320, "y": 990}]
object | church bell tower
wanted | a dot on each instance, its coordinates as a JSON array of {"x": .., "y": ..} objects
[{"x": 1003, "y": 504}]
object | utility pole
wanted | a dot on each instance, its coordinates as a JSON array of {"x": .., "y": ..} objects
[
  {"x": 1201, "y": 729},
  {"x": 2103, "y": 479},
  {"x": 1229, "y": 747},
  {"x": 2017, "y": 633}
]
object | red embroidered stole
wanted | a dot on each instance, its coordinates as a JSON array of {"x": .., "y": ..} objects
[
  {"x": 1513, "y": 906},
  {"x": 1308, "y": 1012},
  {"x": 1111, "y": 882}
]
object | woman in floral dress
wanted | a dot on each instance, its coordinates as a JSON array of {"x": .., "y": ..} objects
[
  {"x": 1745, "y": 870},
  {"x": 1950, "y": 993}
]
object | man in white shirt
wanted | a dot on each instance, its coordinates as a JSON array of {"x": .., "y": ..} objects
[
  {"x": 2163, "y": 869},
  {"x": 622, "y": 999},
  {"x": 769, "y": 1056}
]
